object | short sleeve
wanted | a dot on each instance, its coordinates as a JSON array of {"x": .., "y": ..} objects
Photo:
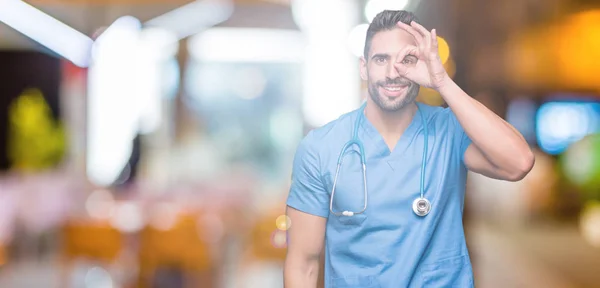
[
  {"x": 307, "y": 192},
  {"x": 462, "y": 140}
]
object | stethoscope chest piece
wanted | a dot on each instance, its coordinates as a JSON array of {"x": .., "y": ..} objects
[{"x": 421, "y": 206}]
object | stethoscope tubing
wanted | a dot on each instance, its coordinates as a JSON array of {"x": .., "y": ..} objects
[{"x": 421, "y": 206}]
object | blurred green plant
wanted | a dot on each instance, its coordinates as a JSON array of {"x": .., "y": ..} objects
[{"x": 36, "y": 141}]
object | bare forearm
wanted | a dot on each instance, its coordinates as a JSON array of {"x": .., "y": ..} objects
[
  {"x": 500, "y": 143},
  {"x": 301, "y": 273}
]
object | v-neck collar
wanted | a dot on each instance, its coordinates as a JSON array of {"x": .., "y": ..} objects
[{"x": 381, "y": 148}]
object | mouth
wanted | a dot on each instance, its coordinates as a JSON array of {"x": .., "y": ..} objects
[{"x": 393, "y": 90}]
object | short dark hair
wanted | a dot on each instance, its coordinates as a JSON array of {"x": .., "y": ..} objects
[{"x": 384, "y": 21}]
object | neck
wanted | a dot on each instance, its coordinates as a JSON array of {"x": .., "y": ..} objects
[{"x": 391, "y": 124}]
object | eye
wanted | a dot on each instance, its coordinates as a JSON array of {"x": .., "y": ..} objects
[
  {"x": 380, "y": 60},
  {"x": 409, "y": 59}
]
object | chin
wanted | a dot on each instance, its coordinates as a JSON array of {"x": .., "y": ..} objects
[{"x": 392, "y": 105}]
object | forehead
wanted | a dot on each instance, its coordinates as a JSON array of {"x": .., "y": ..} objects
[{"x": 390, "y": 41}]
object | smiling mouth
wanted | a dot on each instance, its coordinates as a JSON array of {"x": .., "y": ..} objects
[{"x": 393, "y": 88}]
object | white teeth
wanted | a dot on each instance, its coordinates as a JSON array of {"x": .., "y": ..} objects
[{"x": 392, "y": 88}]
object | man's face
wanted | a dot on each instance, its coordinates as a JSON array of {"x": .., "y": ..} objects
[{"x": 389, "y": 90}]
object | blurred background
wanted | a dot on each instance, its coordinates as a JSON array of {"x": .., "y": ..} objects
[{"x": 148, "y": 143}]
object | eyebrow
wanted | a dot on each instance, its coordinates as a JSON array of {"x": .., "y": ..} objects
[{"x": 380, "y": 55}]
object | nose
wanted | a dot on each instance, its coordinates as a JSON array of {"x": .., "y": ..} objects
[{"x": 392, "y": 72}]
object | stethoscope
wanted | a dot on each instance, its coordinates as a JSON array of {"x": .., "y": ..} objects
[{"x": 421, "y": 206}]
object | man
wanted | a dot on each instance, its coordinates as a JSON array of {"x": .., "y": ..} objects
[{"x": 390, "y": 243}]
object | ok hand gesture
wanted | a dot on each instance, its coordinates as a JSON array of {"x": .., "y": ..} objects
[{"x": 429, "y": 70}]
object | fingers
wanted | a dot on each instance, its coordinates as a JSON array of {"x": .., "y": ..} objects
[
  {"x": 420, "y": 28},
  {"x": 407, "y": 50},
  {"x": 426, "y": 35},
  {"x": 424, "y": 38},
  {"x": 419, "y": 38}
]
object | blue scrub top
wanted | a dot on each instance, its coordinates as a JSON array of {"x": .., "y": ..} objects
[{"x": 388, "y": 245}]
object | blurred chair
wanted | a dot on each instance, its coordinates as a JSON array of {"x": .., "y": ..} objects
[
  {"x": 181, "y": 251},
  {"x": 90, "y": 240},
  {"x": 97, "y": 240}
]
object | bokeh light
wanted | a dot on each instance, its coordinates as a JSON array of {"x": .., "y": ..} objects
[
  {"x": 443, "y": 49},
  {"x": 356, "y": 39},
  {"x": 590, "y": 223},
  {"x": 164, "y": 216},
  {"x": 98, "y": 277},
  {"x": 576, "y": 50},
  {"x": 128, "y": 217},
  {"x": 560, "y": 124},
  {"x": 559, "y": 55},
  {"x": 373, "y": 7},
  {"x": 581, "y": 163},
  {"x": 283, "y": 222},
  {"x": 279, "y": 239},
  {"x": 100, "y": 204}
]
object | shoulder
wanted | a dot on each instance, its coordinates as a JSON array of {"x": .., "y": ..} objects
[
  {"x": 326, "y": 135},
  {"x": 434, "y": 112},
  {"x": 439, "y": 117},
  {"x": 313, "y": 149}
]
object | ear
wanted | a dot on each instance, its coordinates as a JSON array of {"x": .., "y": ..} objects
[{"x": 364, "y": 74}]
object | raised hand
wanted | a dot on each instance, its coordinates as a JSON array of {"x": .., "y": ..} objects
[{"x": 428, "y": 71}]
